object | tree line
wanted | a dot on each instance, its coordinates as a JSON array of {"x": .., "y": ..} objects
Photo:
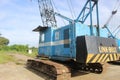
[
  {"x": 16, "y": 47},
  {"x": 4, "y": 41}
]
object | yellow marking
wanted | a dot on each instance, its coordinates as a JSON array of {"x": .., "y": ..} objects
[
  {"x": 118, "y": 55},
  {"x": 108, "y": 59},
  {"x": 111, "y": 57},
  {"x": 103, "y": 57},
  {"x": 95, "y": 59},
  {"x": 89, "y": 57},
  {"x": 104, "y": 60},
  {"x": 100, "y": 58},
  {"x": 114, "y": 56}
]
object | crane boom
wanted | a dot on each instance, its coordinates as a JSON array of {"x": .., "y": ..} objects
[
  {"x": 109, "y": 19},
  {"x": 64, "y": 17},
  {"x": 118, "y": 30},
  {"x": 47, "y": 13},
  {"x": 86, "y": 11},
  {"x": 106, "y": 24},
  {"x": 111, "y": 33}
]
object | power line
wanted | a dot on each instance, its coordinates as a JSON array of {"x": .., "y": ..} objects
[
  {"x": 57, "y": 10},
  {"x": 73, "y": 8},
  {"x": 70, "y": 8}
]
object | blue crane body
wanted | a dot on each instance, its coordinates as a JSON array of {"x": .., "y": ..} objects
[
  {"x": 82, "y": 46},
  {"x": 118, "y": 42},
  {"x": 58, "y": 44}
]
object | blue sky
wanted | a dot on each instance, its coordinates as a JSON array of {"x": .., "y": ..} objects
[{"x": 19, "y": 17}]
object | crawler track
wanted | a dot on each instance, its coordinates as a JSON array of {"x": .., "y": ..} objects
[
  {"x": 115, "y": 62},
  {"x": 55, "y": 70},
  {"x": 88, "y": 67},
  {"x": 62, "y": 70}
]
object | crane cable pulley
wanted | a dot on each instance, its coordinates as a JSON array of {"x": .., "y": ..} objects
[
  {"x": 114, "y": 11},
  {"x": 117, "y": 5}
]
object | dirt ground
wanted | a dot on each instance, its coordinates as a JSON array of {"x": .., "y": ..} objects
[{"x": 18, "y": 71}]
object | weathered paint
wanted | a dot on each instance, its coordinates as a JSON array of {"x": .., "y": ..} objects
[{"x": 54, "y": 42}]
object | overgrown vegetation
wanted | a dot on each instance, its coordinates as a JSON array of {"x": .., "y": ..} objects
[
  {"x": 15, "y": 49},
  {"x": 3, "y": 41},
  {"x": 5, "y": 50},
  {"x": 4, "y": 58},
  {"x": 20, "y": 49}
]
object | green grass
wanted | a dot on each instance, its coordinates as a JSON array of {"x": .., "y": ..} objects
[
  {"x": 15, "y": 49},
  {"x": 4, "y": 58}
]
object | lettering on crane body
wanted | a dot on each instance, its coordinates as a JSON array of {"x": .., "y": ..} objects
[{"x": 105, "y": 49}]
